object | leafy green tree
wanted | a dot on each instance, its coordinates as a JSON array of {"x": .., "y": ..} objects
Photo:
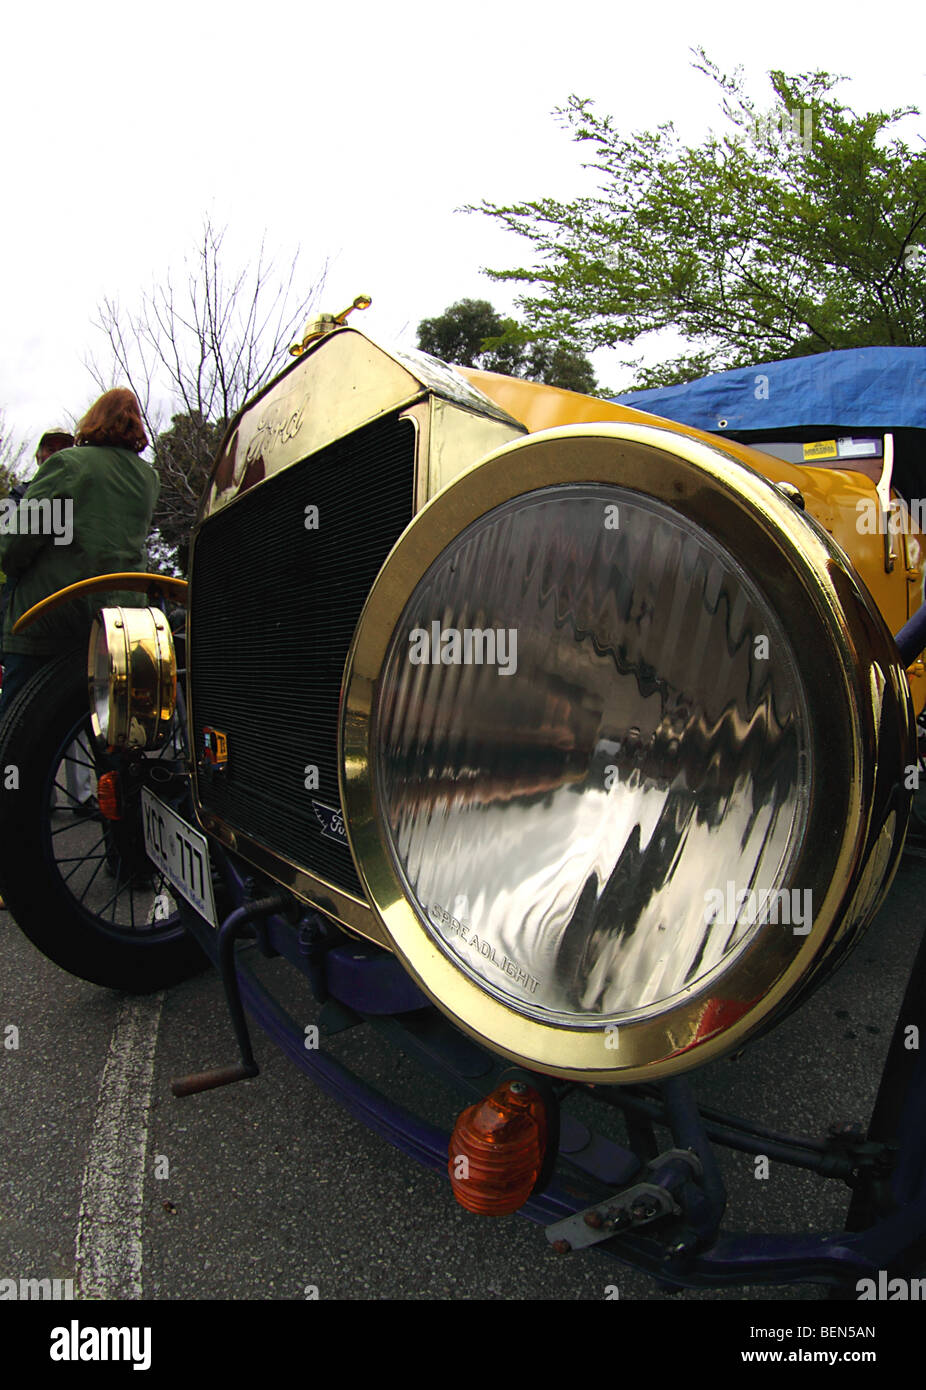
[
  {"x": 795, "y": 231},
  {"x": 472, "y": 333},
  {"x": 467, "y": 333},
  {"x": 558, "y": 365}
]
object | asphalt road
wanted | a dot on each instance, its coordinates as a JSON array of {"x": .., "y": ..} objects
[{"x": 268, "y": 1190}]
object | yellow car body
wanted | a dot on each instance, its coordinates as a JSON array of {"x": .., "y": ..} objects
[{"x": 844, "y": 502}]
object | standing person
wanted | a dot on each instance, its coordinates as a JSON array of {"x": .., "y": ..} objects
[
  {"x": 78, "y": 780},
  {"x": 100, "y": 498},
  {"x": 52, "y": 440}
]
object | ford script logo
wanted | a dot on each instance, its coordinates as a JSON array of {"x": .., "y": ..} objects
[{"x": 331, "y": 821}]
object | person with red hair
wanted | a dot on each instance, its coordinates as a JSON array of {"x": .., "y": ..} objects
[
  {"x": 114, "y": 420},
  {"x": 86, "y": 512}
]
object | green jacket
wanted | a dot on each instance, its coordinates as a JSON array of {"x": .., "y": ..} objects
[{"x": 93, "y": 515}]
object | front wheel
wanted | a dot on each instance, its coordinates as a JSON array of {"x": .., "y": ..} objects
[{"x": 79, "y": 886}]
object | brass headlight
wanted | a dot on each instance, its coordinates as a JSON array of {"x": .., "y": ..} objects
[
  {"x": 622, "y": 751},
  {"x": 132, "y": 672}
]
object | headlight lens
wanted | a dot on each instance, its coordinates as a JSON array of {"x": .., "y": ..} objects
[
  {"x": 622, "y": 743},
  {"x": 132, "y": 674},
  {"x": 619, "y": 728}
]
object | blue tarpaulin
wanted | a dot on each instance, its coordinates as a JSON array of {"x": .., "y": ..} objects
[{"x": 858, "y": 388}]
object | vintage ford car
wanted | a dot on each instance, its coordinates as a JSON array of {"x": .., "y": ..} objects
[{"x": 570, "y": 745}]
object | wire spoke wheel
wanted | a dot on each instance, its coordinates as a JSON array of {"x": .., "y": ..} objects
[
  {"x": 103, "y": 876},
  {"x": 80, "y": 885}
]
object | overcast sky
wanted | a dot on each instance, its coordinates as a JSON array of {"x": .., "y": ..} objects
[{"x": 351, "y": 131}]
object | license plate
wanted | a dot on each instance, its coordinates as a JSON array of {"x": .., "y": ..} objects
[{"x": 180, "y": 852}]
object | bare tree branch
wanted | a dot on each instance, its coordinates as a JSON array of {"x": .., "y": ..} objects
[{"x": 197, "y": 355}]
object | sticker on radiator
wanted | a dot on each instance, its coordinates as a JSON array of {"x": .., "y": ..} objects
[
  {"x": 215, "y": 746},
  {"x": 331, "y": 821}
]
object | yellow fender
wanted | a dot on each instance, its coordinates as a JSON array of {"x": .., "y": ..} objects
[{"x": 155, "y": 585}]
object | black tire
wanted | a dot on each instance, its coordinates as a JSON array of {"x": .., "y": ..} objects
[{"x": 80, "y": 888}]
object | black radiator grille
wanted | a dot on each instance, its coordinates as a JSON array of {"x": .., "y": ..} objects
[{"x": 273, "y": 610}]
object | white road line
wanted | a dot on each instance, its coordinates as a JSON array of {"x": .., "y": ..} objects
[{"x": 109, "y": 1222}]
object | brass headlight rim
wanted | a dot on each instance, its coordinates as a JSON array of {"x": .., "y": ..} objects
[
  {"x": 108, "y": 631},
  {"x": 748, "y": 517},
  {"x": 142, "y": 677}
]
